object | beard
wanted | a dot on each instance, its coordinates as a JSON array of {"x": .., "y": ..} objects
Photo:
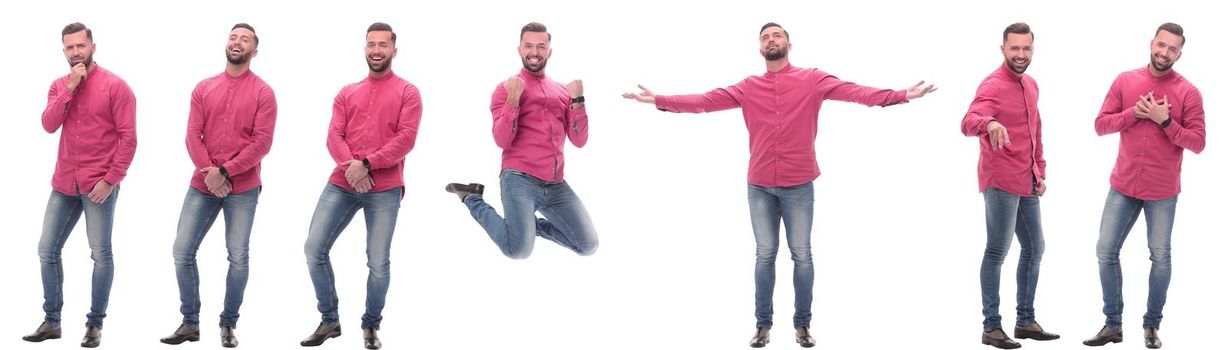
[
  {"x": 775, "y": 53},
  {"x": 1018, "y": 68},
  {"x": 88, "y": 61},
  {"x": 1155, "y": 63},
  {"x": 379, "y": 67},
  {"x": 530, "y": 67},
  {"x": 239, "y": 58}
]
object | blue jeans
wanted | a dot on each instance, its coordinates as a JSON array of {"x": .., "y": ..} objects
[
  {"x": 1120, "y": 213},
  {"x": 769, "y": 206},
  {"x": 1007, "y": 213},
  {"x": 336, "y": 208},
  {"x": 199, "y": 211},
  {"x": 62, "y": 214},
  {"x": 566, "y": 221}
]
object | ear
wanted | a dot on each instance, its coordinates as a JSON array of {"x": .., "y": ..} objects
[
  {"x": 549, "y": 51},
  {"x": 255, "y": 52}
]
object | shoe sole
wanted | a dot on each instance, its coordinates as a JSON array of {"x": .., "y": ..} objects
[
  {"x": 1033, "y": 337},
  {"x": 37, "y": 340},
  {"x": 1114, "y": 341},
  {"x": 189, "y": 339},
  {"x": 986, "y": 342},
  {"x": 330, "y": 336}
]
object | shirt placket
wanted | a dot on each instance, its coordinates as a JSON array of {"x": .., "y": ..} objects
[{"x": 777, "y": 120}]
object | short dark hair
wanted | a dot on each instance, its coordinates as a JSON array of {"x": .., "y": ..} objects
[
  {"x": 382, "y": 27},
  {"x": 75, "y": 27},
  {"x": 1172, "y": 28},
  {"x": 1017, "y": 28},
  {"x": 255, "y": 38},
  {"x": 536, "y": 28},
  {"x": 774, "y": 24}
]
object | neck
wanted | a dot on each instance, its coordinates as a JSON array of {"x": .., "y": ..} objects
[
  {"x": 538, "y": 73},
  {"x": 378, "y": 75},
  {"x": 777, "y": 65},
  {"x": 90, "y": 67},
  {"x": 1157, "y": 73},
  {"x": 235, "y": 70}
]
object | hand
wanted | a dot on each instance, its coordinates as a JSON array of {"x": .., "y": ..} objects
[
  {"x": 75, "y": 76},
  {"x": 223, "y": 190},
  {"x": 1142, "y": 108},
  {"x": 645, "y": 95},
  {"x": 1159, "y": 110},
  {"x": 1040, "y": 187},
  {"x": 213, "y": 178},
  {"x": 100, "y": 193},
  {"x": 515, "y": 86},
  {"x": 364, "y": 185},
  {"x": 998, "y": 138},
  {"x": 916, "y": 91},
  {"x": 575, "y": 88},
  {"x": 355, "y": 171}
]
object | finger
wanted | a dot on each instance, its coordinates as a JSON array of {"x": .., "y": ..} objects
[
  {"x": 643, "y": 88},
  {"x": 918, "y": 84}
]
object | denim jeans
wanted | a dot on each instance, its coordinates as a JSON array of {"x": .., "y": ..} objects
[
  {"x": 1007, "y": 213},
  {"x": 566, "y": 221},
  {"x": 1120, "y": 213},
  {"x": 199, "y": 212},
  {"x": 769, "y": 207},
  {"x": 333, "y": 213},
  {"x": 62, "y": 214}
]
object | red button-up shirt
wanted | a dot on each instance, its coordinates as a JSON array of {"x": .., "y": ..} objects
[
  {"x": 1149, "y": 156},
  {"x": 376, "y": 119},
  {"x": 99, "y": 130},
  {"x": 532, "y": 134},
  {"x": 781, "y": 110},
  {"x": 1010, "y": 100},
  {"x": 231, "y": 125}
]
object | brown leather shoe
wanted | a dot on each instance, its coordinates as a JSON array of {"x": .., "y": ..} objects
[
  {"x": 998, "y": 339},
  {"x": 463, "y": 190},
  {"x": 228, "y": 337},
  {"x": 1151, "y": 338},
  {"x": 370, "y": 339},
  {"x": 322, "y": 333},
  {"x": 45, "y": 331},
  {"x": 803, "y": 337},
  {"x": 182, "y": 334},
  {"x": 1034, "y": 331},
  {"x": 1105, "y": 336},
  {"x": 93, "y": 337},
  {"x": 761, "y": 337}
]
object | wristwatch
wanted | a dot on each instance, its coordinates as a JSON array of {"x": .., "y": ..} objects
[
  {"x": 1166, "y": 122},
  {"x": 366, "y": 163},
  {"x": 222, "y": 169},
  {"x": 577, "y": 99}
]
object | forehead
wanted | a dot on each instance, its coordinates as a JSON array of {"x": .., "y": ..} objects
[
  {"x": 242, "y": 32},
  {"x": 1168, "y": 38},
  {"x": 535, "y": 38},
  {"x": 379, "y": 36},
  {"x": 772, "y": 30},
  {"x": 75, "y": 38},
  {"x": 1018, "y": 39}
]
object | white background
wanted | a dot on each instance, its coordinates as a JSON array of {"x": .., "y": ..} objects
[{"x": 899, "y": 229}]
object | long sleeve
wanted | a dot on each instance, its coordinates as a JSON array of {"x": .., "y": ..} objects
[
  {"x": 57, "y": 106},
  {"x": 983, "y": 109},
  {"x": 123, "y": 109},
  {"x": 1113, "y": 117},
  {"x": 195, "y": 139},
  {"x": 506, "y": 117},
  {"x": 840, "y": 90},
  {"x": 337, "y": 146},
  {"x": 577, "y": 126},
  {"x": 262, "y": 135},
  {"x": 716, "y": 100},
  {"x": 391, "y": 153},
  {"x": 1040, "y": 148},
  {"x": 1191, "y": 134}
]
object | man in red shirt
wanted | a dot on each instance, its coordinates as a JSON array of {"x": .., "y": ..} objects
[
  {"x": 374, "y": 126},
  {"x": 781, "y": 110},
  {"x": 230, "y": 129},
  {"x": 1159, "y": 116},
  {"x": 532, "y": 116},
  {"x": 96, "y": 113},
  {"x": 1011, "y": 171}
]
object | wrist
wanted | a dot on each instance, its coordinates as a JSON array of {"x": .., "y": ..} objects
[
  {"x": 366, "y": 164},
  {"x": 222, "y": 170},
  {"x": 1166, "y": 122}
]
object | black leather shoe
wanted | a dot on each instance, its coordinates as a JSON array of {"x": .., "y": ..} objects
[
  {"x": 370, "y": 339},
  {"x": 997, "y": 338},
  {"x": 761, "y": 337},
  {"x": 1034, "y": 331},
  {"x": 1106, "y": 335},
  {"x": 803, "y": 337},
  {"x": 228, "y": 337},
  {"x": 462, "y": 190},
  {"x": 45, "y": 331},
  {"x": 182, "y": 334},
  {"x": 93, "y": 337},
  {"x": 1151, "y": 338},
  {"x": 322, "y": 333}
]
